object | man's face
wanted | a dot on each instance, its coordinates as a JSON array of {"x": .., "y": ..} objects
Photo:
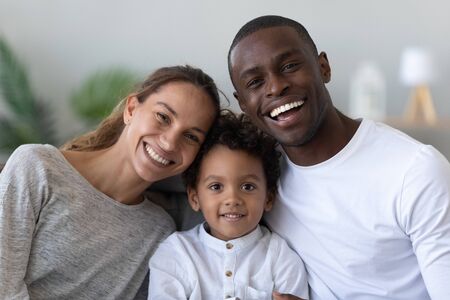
[{"x": 280, "y": 84}]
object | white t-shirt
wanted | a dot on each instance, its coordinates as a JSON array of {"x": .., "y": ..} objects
[
  {"x": 195, "y": 265},
  {"x": 372, "y": 222}
]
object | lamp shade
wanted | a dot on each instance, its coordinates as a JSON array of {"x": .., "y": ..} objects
[{"x": 416, "y": 67}]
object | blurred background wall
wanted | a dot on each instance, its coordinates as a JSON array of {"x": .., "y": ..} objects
[{"x": 61, "y": 42}]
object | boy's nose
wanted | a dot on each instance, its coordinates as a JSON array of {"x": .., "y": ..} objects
[{"x": 233, "y": 198}]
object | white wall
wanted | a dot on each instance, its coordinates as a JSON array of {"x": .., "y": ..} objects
[{"x": 62, "y": 41}]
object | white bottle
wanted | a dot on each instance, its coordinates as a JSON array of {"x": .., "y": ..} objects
[{"x": 368, "y": 93}]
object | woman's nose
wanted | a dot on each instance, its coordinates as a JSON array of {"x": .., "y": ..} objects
[{"x": 168, "y": 141}]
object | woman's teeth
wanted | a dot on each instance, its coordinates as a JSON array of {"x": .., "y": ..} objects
[
  {"x": 155, "y": 156},
  {"x": 285, "y": 107}
]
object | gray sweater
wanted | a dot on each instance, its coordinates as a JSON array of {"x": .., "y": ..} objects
[{"x": 60, "y": 238}]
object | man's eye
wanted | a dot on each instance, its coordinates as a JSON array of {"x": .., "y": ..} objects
[
  {"x": 215, "y": 187},
  {"x": 289, "y": 67},
  {"x": 254, "y": 83},
  {"x": 163, "y": 118},
  {"x": 248, "y": 187}
]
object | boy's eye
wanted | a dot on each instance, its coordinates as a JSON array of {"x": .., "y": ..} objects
[
  {"x": 163, "y": 118},
  {"x": 215, "y": 187},
  {"x": 248, "y": 187}
]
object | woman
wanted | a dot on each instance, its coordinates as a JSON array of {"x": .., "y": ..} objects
[{"x": 74, "y": 223}]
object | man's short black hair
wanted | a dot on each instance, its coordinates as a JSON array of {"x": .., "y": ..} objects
[
  {"x": 237, "y": 132},
  {"x": 268, "y": 22}
]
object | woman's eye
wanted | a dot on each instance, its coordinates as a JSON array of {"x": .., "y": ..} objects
[
  {"x": 163, "y": 118},
  {"x": 215, "y": 186},
  {"x": 248, "y": 187},
  {"x": 192, "y": 138}
]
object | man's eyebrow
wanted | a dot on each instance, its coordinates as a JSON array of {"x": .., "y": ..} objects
[
  {"x": 249, "y": 72},
  {"x": 280, "y": 57},
  {"x": 172, "y": 111}
]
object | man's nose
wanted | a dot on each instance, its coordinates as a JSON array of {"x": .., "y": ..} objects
[{"x": 276, "y": 85}]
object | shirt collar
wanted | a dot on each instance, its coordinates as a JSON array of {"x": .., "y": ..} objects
[{"x": 231, "y": 245}]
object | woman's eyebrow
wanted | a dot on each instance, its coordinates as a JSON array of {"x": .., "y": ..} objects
[{"x": 168, "y": 108}]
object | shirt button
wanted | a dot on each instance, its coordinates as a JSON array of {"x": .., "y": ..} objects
[
  {"x": 228, "y": 273},
  {"x": 229, "y": 245}
]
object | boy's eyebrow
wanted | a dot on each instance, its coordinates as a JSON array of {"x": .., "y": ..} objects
[
  {"x": 174, "y": 113},
  {"x": 247, "y": 176}
]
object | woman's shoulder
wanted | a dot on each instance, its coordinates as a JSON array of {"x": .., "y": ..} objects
[{"x": 33, "y": 151}]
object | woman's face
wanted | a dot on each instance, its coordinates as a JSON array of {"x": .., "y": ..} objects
[{"x": 164, "y": 133}]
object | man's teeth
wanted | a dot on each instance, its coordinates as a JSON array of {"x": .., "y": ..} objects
[
  {"x": 155, "y": 156},
  {"x": 286, "y": 107}
]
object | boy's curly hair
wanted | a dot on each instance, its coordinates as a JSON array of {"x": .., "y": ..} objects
[{"x": 237, "y": 132}]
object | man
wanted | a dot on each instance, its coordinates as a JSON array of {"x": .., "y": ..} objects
[{"x": 364, "y": 205}]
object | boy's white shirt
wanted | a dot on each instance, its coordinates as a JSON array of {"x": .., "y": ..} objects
[{"x": 195, "y": 265}]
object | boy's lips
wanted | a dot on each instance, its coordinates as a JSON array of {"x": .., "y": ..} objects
[{"x": 232, "y": 216}]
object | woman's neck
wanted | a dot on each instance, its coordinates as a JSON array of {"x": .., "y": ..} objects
[{"x": 110, "y": 172}]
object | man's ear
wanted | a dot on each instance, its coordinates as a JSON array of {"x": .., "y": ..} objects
[
  {"x": 130, "y": 107},
  {"x": 325, "y": 69},
  {"x": 269, "y": 201},
  {"x": 241, "y": 104},
  {"x": 193, "y": 198}
]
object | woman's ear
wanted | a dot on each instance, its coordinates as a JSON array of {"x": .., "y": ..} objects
[
  {"x": 130, "y": 107},
  {"x": 193, "y": 198}
]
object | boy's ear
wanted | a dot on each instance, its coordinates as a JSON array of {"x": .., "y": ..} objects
[
  {"x": 269, "y": 201},
  {"x": 193, "y": 198},
  {"x": 241, "y": 104},
  {"x": 130, "y": 107}
]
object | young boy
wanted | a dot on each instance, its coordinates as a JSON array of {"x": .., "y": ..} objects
[{"x": 232, "y": 182}]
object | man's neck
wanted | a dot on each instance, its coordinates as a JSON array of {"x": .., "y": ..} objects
[{"x": 332, "y": 136}]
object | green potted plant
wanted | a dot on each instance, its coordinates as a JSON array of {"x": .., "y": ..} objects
[{"x": 27, "y": 119}]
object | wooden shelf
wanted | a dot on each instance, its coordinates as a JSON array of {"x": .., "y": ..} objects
[{"x": 400, "y": 122}]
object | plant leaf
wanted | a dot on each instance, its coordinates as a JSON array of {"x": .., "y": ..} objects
[
  {"x": 14, "y": 85},
  {"x": 100, "y": 93}
]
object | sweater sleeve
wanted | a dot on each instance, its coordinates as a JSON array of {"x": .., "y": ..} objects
[
  {"x": 20, "y": 198},
  {"x": 425, "y": 217}
]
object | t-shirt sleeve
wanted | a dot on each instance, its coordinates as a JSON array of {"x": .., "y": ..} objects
[
  {"x": 20, "y": 197},
  {"x": 168, "y": 279},
  {"x": 289, "y": 271},
  {"x": 425, "y": 217}
]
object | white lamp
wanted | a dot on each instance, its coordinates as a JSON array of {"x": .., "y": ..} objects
[{"x": 416, "y": 71}]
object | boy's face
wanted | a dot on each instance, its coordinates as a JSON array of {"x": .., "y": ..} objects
[{"x": 231, "y": 192}]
